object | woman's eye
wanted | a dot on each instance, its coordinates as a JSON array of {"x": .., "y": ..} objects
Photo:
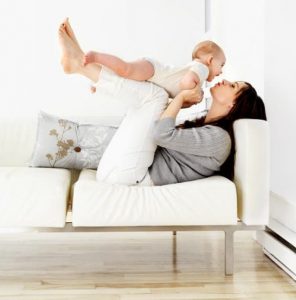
[{"x": 232, "y": 85}]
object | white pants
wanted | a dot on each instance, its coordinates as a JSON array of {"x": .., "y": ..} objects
[{"x": 131, "y": 151}]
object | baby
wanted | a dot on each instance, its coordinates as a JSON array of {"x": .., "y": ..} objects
[{"x": 207, "y": 62}]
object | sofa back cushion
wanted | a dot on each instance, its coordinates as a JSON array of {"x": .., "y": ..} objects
[{"x": 17, "y": 136}]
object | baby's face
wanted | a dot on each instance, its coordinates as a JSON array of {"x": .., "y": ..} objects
[{"x": 216, "y": 65}]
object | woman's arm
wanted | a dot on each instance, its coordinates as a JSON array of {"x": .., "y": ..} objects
[
  {"x": 207, "y": 141},
  {"x": 173, "y": 108},
  {"x": 184, "y": 99}
]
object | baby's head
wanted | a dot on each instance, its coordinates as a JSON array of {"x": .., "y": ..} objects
[{"x": 210, "y": 54}]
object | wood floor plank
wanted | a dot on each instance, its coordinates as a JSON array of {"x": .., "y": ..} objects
[{"x": 136, "y": 266}]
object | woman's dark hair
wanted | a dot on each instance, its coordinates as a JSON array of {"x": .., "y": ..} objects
[{"x": 248, "y": 105}]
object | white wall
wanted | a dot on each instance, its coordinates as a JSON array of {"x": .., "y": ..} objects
[
  {"x": 280, "y": 66},
  {"x": 260, "y": 43},
  {"x": 30, "y": 74},
  {"x": 238, "y": 26}
]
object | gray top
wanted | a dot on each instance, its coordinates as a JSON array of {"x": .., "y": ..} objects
[{"x": 187, "y": 154}]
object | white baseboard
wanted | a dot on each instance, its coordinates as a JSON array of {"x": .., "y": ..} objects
[
  {"x": 282, "y": 266},
  {"x": 281, "y": 254}
]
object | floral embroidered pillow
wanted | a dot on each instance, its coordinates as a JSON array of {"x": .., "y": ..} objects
[{"x": 62, "y": 143}]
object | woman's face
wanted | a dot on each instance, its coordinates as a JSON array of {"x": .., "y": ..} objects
[{"x": 225, "y": 92}]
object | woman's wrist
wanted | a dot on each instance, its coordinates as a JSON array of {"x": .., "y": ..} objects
[{"x": 173, "y": 108}]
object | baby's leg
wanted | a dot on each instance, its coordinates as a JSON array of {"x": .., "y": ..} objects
[
  {"x": 189, "y": 81},
  {"x": 140, "y": 70}
]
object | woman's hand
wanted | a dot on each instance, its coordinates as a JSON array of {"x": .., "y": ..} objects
[
  {"x": 184, "y": 99},
  {"x": 191, "y": 97}
]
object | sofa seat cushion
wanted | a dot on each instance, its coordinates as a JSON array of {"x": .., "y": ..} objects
[
  {"x": 210, "y": 201},
  {"x": 33, "y": 197}
]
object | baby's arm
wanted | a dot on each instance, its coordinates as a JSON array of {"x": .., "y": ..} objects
[{"x": 189, "y": 81}]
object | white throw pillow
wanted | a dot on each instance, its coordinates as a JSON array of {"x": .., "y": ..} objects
[{"x": 62, "y": 143}]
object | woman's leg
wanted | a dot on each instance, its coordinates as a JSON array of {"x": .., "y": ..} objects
[
  {"x": 72, "y": 57},
  {"x": 70, "y": 32},
  {"x": 131, "y": 151}
]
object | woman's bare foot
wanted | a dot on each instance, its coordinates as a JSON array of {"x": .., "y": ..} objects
[
  {"x": 72, "y": 55},
  {"x": 70, "y": 32},
  {"x": 90, "y": 57}
]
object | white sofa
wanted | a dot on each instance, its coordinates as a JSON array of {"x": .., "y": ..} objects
[{"x": 42, "y": 197}]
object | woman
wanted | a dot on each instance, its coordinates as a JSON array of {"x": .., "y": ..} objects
[{"x": 148, "y": 149}]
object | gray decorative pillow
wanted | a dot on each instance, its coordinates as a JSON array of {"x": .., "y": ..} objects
[{"x": 65, "y": 144}]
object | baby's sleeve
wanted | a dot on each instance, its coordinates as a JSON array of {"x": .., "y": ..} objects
[{"x": 201, "y": 70}]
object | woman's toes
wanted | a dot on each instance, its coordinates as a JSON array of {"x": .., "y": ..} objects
[
  {"x": 62, "y": 29},
  {"x": 86, "y": 60}
]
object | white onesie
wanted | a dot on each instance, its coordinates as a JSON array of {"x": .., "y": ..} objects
[{"x": 169, "y": 77}]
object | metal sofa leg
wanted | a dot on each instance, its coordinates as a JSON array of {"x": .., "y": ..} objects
[
  {"x": 174, "y": 253},
  {"x": 229, "y": 252}
]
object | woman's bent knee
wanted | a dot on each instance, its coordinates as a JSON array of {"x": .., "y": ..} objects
[{"x": 157, "y": 94}]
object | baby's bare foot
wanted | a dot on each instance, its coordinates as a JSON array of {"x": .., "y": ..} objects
[
  {"x": 90, "y": 57},
  {"x": 72, "y": 56}
]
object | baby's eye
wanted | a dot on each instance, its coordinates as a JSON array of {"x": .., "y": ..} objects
[{"x": 233, "y": 85}]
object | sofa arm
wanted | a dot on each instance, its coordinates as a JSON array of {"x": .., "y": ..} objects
[{"x": 251, "y": 170}]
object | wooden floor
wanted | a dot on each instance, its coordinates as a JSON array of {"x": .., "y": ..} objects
[{"x": 136, "y": 266}]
